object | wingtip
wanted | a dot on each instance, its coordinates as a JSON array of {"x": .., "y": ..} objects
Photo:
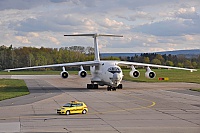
[
  {"x": 6, "y": 70},
  {"x": 192, "y": 70}
]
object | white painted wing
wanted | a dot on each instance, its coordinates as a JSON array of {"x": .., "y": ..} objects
[
  {"x": 86, "y": 63},
  {"x": 125, "y": 63}
]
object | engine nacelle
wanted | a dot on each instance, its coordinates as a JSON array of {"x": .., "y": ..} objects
[
  {"x": 150, "y": 74},
  {"x": 134, "y": 73},
  {"x": 64, "y": 74},
  {"x": 82, "y": 73}
]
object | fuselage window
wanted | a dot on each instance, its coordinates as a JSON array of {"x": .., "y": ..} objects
[{"x": 114, "y": 70}]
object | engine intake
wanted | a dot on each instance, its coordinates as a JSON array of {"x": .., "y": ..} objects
[
  {"x": 134, "y": 73},
  {"x": 82, "y": 73},
  {"x": 64, "y": 74},
  {"x": 150, "y": 74}
]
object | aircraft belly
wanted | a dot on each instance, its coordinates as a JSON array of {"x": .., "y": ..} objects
[
  {"x": 102, "y": 79},
  {"x": 106, "y": 78}
]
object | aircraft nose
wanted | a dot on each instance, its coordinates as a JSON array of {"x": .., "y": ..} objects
[{"x": 116, "y": 76}]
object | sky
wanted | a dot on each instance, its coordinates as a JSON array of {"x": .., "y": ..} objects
[{"x": 146, "y": 25}]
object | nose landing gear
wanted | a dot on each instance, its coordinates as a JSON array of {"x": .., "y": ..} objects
[{"x": 110, "y": 88}]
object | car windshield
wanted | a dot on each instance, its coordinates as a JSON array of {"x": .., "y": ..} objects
[{"x": 69, "y": 105}]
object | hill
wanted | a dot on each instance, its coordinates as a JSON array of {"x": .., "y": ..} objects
[{"x": 187, "y": 53}]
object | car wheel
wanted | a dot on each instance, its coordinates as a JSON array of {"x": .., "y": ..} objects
[
  {"x": 67, "y": 112},
  {"x": 84, "y": 111}
]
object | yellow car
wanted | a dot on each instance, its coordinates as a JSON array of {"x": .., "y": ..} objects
[{"x": 73, "y": 107}]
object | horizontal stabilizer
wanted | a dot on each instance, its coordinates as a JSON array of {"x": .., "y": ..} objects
[
  {"x": 80, "y": 35},
  {"x": 110, "y": 35},
  {"x": 95, "y": 35}
]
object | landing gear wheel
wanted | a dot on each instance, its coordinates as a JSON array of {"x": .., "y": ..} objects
[
  {"x": 109, "y": 88},
  {"x": 89, "y": 86},
  {"x": 84, "y": 111},
  {"x": 120, "y": 86},
  {"x": 113, "y": 89},
  {"x": 67, "y": 112},
  {"x": 92, "y": 86},
  {"x": 95, "y": 86}
]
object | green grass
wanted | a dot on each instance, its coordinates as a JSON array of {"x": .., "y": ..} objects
[
  {"x": 10, "y": 88},
  {"x": 173, "y": 75},
  {"x": 195, "y": 90}
]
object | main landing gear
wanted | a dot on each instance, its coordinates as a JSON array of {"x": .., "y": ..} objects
[
  {"x": 110, "y": 88},
  {"x": 92, "y": 86}
]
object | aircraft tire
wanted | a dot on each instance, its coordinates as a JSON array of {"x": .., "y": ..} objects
[
  {"x": 92, "y": 86},
  {"x": 89, "y": 86},
  {"x": 113, "y": 89},
  {"x": 109, "y": 88},
  {"x": 95, "y": 86},
  {"x": 120, "y": 86}
]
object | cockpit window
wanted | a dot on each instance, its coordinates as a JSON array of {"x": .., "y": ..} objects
[{"x": 114, "y": 70}]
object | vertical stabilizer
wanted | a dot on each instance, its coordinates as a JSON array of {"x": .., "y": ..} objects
[{"x": 96, "y": 49}]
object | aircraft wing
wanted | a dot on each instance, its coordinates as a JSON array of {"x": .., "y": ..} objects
[
  {"x": 86, "y": 63},
  {"x": 125, "y": 63}
]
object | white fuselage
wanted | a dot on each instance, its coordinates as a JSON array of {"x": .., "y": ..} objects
[{"x": 107, "y": 73}]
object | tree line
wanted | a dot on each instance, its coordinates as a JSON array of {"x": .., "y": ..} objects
[
  {"x": 30, "y": 56},
  {"x": 169, "y": 60},
  {"x": 12, "y": 57}
]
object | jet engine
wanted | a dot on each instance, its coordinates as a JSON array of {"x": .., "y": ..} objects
[
  {"x": 82, "y": 73},
  {"x": 134, "y": 73},
  {"x": 64, "y": 74},
  {"x": 150, "y": 74}
]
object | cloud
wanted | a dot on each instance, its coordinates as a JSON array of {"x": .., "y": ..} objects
[
  {"x": 187, "y": 13},
  {"x": 20, "y": 4},
  {"x": 54, "y": 40},
  {"x": 137, "y": 15},
  {"x": 113, "y": 24},
  {"x": 45, "y": 24},
  {"x": 170, "y": 27},
  {"x": 33, "y": 34},
  {"x": 144, "y": 24},
  {"x": 23, "y": 39},
  {"x": 59, "y": 1},
  {"x": 189, "y": 37}
]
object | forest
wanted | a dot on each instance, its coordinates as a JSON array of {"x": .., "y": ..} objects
[
  {"x": 12, "y": 57},
  {"x": 168, "y": 60},
  {"x": 30, "y": 56}
]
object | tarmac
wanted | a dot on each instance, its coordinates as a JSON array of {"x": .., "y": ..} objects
[{"x": 162, "y": 107}]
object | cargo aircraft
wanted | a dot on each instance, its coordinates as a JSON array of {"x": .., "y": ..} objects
[{"x": 103, "y": 72}]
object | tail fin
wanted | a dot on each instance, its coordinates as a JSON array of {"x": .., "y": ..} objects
[{"x": 96, "y": 49}]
